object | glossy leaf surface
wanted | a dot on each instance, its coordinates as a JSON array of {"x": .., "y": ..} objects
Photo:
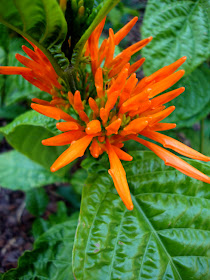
[
  {"x": 41, "y": 21},
  {"x": 166, "y": 236},
  {"x": 25, "y": 134},
  {"x": 179, "y": 28},
  {"x": 51, "y": 257},
  {"x": 17, "y": 172}
]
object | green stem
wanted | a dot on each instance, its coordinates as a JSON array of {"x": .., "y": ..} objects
[{"x": 202, "y": 136}]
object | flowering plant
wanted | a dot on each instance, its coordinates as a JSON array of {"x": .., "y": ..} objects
[{"x": 100, "y": 104}]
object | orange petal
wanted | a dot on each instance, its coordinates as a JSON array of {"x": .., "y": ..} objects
[
  {"x": 93, "y": 106},
  {"x": 161, "y": 126},
  {"x": 52, "y": 112},
  {"x": 93, "y": 127},
  {"x": 136, "y": 125},
  {"x": 118, "y": 175},
  {"x": 119, "y": 83},
  {"x": 124, "y": 30},
  {"x": 41, "y": 102},
  {"x": 173, "y": 160},
  {"x": 175, "y": 145},
  {"x": 135, "y": 66},
  {"x": 138, "y": 46},
  {"x": 77, "y": 101},
  {"x": 121, "y": 154},
  {"x": 66, "y": 126},
  {"x": 142, "y": 108},
  {"x": 99, "y": 83},
  {"x": 129, "y": 86},
  {"x": 71, "y": 98},
  {"x": 161, "y": 115},
  {"x": 165, "y": 71},
  {"x": 63, "y": 139},
  {"x": 113, "y": 127},
  {"x": 134, "y": 102},
  {"x": 166, "y": 97},
  {"x": 104, "y": 115},
  {"x": 76, "y": 150},
  {"x": 95, "y": 149},
  {"x": 110, "y": 49},
  {"x": 165, "y": 83},
  {"x": 12, "y": 70},
  {"x": 83, "y": 116}
]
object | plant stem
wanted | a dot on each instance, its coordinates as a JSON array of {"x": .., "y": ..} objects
[{"x": 202, "y": 136}]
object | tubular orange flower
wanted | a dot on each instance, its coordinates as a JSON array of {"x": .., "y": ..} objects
[{"x": 117, "y": 109}]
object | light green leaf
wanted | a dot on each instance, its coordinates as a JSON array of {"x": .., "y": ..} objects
[
  {"x": 179, "y": 28},
  {"x": 17, "y": 172},
  {"x": 166, "y": 236},
  {"x": 96, "y": 11},
  {"x": 25, "y": 134},
  {"x": 41, "y": 21},
  {"x": 36, "y": 201},
  {"x": 51, "y": 258},
  {"x": 194, "y": 103}
]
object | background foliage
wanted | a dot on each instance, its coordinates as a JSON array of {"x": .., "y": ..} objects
[{"x": 166, "y": 236}]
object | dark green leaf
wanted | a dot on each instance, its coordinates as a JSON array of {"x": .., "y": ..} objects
[
  {"x": 194, "y": 103},
  {"x": 51, "y": 258},
  {"x": 36, "y": 201},
  {"x": 12, "y": 111},
  {"x": 17, "y": 172},
  {"x": 179, "y": 28},
  {"x": 60, "y": 216},
  {"x": 25, "y": 134},
  {"x": 166, "y": 236},
  {"x": 78, "y": 180},
  {"x": 41, "y": 21}
]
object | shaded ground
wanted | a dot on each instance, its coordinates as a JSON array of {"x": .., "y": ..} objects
[{"x": 16, "y": 223}]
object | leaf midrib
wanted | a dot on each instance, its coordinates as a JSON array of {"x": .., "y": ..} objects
[{"x": 155, "y": 235}]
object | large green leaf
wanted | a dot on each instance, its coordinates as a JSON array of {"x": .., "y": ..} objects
[
  {"x": 51, "y": 258},
  {"x": 17, "y": 172},
  {"x": 178, "y": 28},
  {"x": 164, "y": 237},
  {"x": 41, "y": 21},
  {"x": 194, "y": 103},
  {"x": 25, "y": 134},
  {"x": 95, "y": 11}
]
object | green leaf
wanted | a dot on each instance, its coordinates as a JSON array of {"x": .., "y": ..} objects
[
  {"x": 36, "y": 201},
  {"x": 25, "y": 134},
  {"x": 17, "y": 172},
  {"x": 192, "y": 105},
  {"x": 52, "y": 255},
  {"x": 166, "y": 236},
  {"x": 78, "y": 180},
  {"x": 60, "y": 216},
  {"x": 11, "y": 111},
  {"x": 41, "y": 21},
  {"x": 179, "y": 28},
  {"x": 96, "y": 11}
]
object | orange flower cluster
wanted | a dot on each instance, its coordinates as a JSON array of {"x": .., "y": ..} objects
[{"x": 121, "y": 107}]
